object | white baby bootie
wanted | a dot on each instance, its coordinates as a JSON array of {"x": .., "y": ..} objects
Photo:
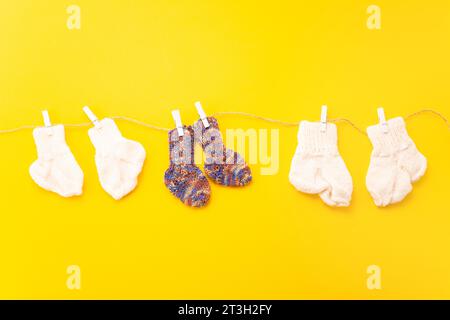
[
  {"x": 119, "y": 160},
  {"x": 55, "y": 169},
  {"x": 317, "y": 167},
  {"x": 395, "y": 162}
]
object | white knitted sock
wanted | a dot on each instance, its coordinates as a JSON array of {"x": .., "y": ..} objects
[
  {"x": 119, "y": 160},
  {"x": 318, "y": 168},
  {"x": 394, "y": 164},
  {"x": 56, "y": 168}
]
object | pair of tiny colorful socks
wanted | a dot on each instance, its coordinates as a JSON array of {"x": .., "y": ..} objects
[
  {"x": 185, "y": 180},
  {"x": 317, "y": 167},
  {"x": 119, "y": 161}
]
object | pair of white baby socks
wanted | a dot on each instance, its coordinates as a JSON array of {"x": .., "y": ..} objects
[
  {"x": 317, "y": 167},
  {"x": 395, "y": 162},
  {"x": 119, "y": 160}
]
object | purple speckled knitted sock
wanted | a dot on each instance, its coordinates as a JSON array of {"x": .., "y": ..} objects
[
  {"x": 223, "y": 165},
  {"x": 183, "y": 178}
]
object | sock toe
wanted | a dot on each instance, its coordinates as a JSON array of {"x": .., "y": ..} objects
[
  {"x": 196, "y": 193},
  {"x": 422, "y": 167},
  {"x": 199, "y": 198},
  {"x": 243, "y": 176},
  {"x": 229, "y": 174},
  {"x": 188, "y": 184}
]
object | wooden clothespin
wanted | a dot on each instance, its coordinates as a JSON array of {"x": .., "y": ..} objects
[
  {"x": 202, "y": 114},
  {"x": 47, "y": 122},
  {"x": 178, "y": 124},
  {"x": 323, "y": 118},
  {"x": 92, "y": 117},
  {"x": 382, "y": 119}
]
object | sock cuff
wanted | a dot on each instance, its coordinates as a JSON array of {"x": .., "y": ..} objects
[
  {"x": 105, "y": 134},
  {"x": 312, "y": 140},
  {"x": 50, "y": 141},
  {"x": 181, "y": 149},
  {"x": 205, "y": 136},
  {"x": 396, "y": 138}
]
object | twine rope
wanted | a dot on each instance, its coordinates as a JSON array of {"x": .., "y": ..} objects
[{"x": 232, "y": 113}]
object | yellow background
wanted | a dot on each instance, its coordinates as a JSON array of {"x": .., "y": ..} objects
[{"x": 282, "y": 59}]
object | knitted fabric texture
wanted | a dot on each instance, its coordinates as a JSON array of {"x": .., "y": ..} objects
[
  {"x": 183, "y": 178},
  {"x": 395, "y": 163},
  {"x": 119, "y": 160},
  {"x": 223, "y": 165},
  {"x": 317, "y": 167},
  {"x": 55, "y": 169}
]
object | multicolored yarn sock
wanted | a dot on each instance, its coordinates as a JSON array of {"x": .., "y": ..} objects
[
  {"x": 183, "y": 178},
  {"x": 223, "y": 165}
]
